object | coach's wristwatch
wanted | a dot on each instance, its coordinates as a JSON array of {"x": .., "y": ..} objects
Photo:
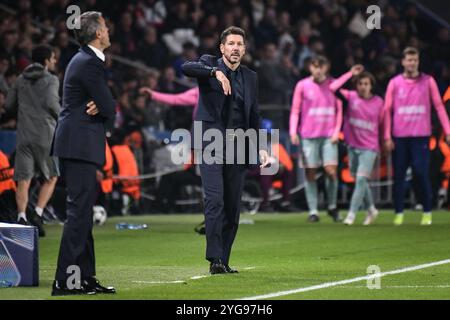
[{"x": 213, "y": 72}]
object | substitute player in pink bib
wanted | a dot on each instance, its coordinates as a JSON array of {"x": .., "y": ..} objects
[
  {"x": 408, "y": 101},
  {"x": 316, "y": 115},
  {"x": 363, "y": 120}
]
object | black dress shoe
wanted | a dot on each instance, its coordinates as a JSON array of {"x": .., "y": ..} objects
[
  {"x": 36, "y": 220},
  {"x": 60, "y": 289},
  {"x": 217, "y": 267},
  {"x": 334, "y": 213},
  {"x": 229, "y": 270},
  {"x": 93, "y": 284}
]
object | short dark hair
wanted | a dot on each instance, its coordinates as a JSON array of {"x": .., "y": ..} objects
[
  {"x": 409, "y": 51},
  {"x": 232, "y": 30},
  {"x": 89, "y": 23},
  {"x": 366, "y": 75},
  {"x": 319, "y": 61},
  {"x": 41, "y": 53}
]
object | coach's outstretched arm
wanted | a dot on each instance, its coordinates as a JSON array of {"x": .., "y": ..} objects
[
  {"x": 203, "y": 69},
  {"x": 199, "y": 69}
]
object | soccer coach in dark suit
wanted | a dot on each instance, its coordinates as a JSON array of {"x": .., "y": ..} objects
[
  {"x": 228, "y": 100},
  {"x": 79, "y": 142}
]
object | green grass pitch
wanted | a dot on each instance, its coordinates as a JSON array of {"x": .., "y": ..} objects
[{"x": 278, "y": 252}]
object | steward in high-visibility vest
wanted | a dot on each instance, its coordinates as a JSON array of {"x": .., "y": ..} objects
[
  {"x": 6, "y": 174},
  {"x": 107, "y": 182},
  {"x": 127, "y": 166},
  {"x": 446, "y": 95}
]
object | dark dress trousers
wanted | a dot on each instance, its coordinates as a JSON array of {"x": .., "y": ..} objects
[
  {"x": 223, "y": 183},
  {"x": 79, "y": 142}
]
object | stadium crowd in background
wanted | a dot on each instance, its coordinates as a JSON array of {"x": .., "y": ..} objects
[
  {"x": 162, "y": 35},
  {"x": 283, "y": 36}
]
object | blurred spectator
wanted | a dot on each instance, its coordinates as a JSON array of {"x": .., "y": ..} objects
[
  {"x": 209, "y": 45},
  {"x": 67, "y": 50},
  {"x": 4, "y": 66},
  {"x": 273, "y": 78},
  {"x": 8, "y": 44},
  {"x": 179, "y": 17},
  {"x": 151, "y": 51},
  {"x": 209, "y": 25},
  {"x": 167, "y": 82},
  {"x": 143, "y": 114},
  {"x": 150, "y": 12},
  {"x": 126, "y": 35},
  {"x": 267, "y": 28},
  {"x": 189, "y": 54}
]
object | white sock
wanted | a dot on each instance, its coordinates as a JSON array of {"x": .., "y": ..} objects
[
  {"x": 39, "y": 211},
  {"x": 351, "y": 215},
  {"x": 312, "y": 213},
  {"x": 22, "y": 215},
  {"x": 332, "y": 207},
  {"x": 372, "y": 209}
]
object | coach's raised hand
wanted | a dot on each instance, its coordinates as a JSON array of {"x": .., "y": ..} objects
[{"x": 222, "y": 78}]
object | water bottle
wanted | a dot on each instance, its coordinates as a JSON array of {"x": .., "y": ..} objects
[
  {"x": 121, "y": 226},
  {"x": 137, "y": 226},
  {"x": 130, "y": 226},
  {"x": 5, "y": 284}
]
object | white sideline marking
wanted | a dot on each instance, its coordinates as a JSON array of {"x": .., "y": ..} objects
[
  {"x": 199, "y": 277},
  {"x": 182, "y": 281},
  {"x": 159, "y": 282},
  {"x": 445, "y": 286},
  {"x": 342, "y": 282}
]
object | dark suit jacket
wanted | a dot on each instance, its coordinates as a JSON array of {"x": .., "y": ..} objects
[
  {"x": 212, "y": 99},
  {"x": 79, "y": 135}
]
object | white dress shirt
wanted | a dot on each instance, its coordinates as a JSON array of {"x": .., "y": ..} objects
[{"x": 98, "y": 53}]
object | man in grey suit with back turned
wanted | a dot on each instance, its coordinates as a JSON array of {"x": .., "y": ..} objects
[{"x": 79, "y": 142}]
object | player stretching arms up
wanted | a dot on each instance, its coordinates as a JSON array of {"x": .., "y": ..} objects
[
  {"x": 316, "y": 115},
  {"x": 408, "y": 120},
  {"x": 362, "y": 130}
]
